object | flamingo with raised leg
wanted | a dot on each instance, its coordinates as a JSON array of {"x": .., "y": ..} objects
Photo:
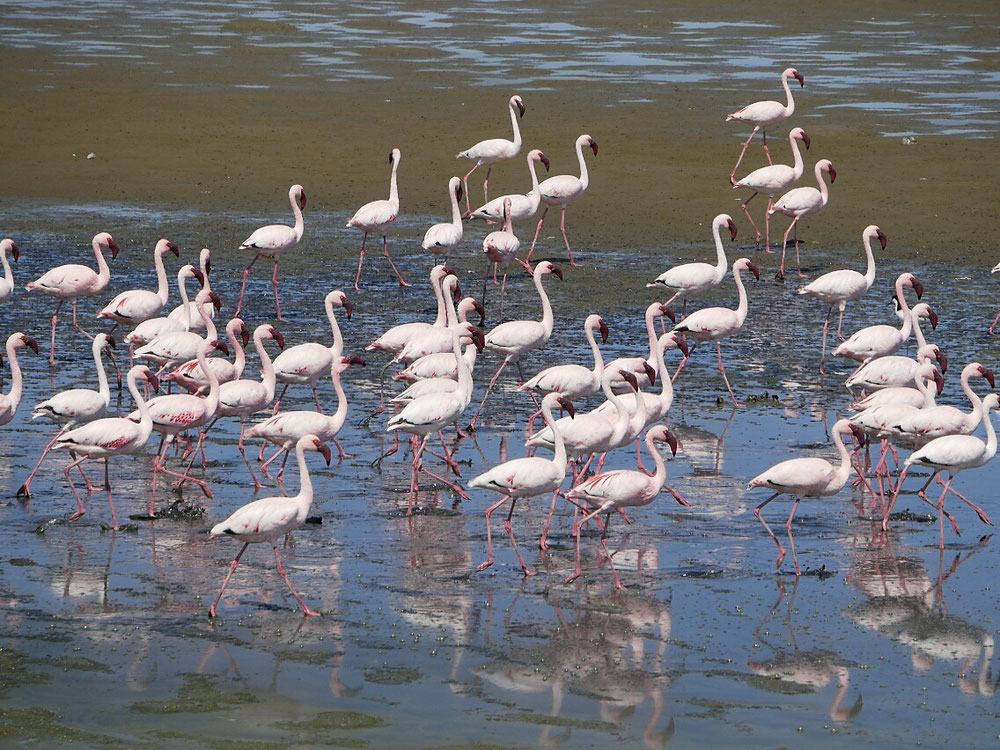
[
  {"x": 12, "y": 399},
  {"x": 442, "y": 238},
  {"x": 271, "y": 242},
  {"x": 7, "y": 281},
  {"x": 563, "y": 189},
  {"x": 110, "y": 436},
  {"x": 845, "y": 285},
  {"x": 136, "y": 305},
  {"x": 773, "y": 180},
  {"x": 69, "y": 281},
  {"x": 764, "y": 114},
  {"x": 799, "y": 202},
  {"x": 376, "y": 216},
  {"x": 715, "y": 323},
  {"x": 522, "y": 205},
  {"x": 271, "y": 518},
  {"x": 806, "y": 477},
  {"x": 493, "y": 150},
  {"x": 689, "y": 279}
]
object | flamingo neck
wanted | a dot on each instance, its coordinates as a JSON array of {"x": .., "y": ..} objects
[
  {"x": 991, "y": 435},
  {"x": 470, "y": 356},
  {"x": 598, "y": 357},
  {"x": 660, "y": 474},
  {"x": 240, "y": 360},
  {"x": 305, "y": 497},
  {"x": 162, "y": 285},
  {"x": 393, "y": 189},
  {"x": 870, "y": 271},
  {"x": 464, "y": 373},
  {"x": 535, "y": 194},
  {"x": 185, "y": 302},
  {"x": 442, "y": 312},
  {"x": 652, "y": 312},
  {"x": 906, "y": 327},
  {"x": 972, "y": 418},
  {"x": 666, "y": 384},
  {"x": 918, "y": 332},
  {"x": 338, "y": 338},
  {"x": 7, "y": 273},
  {"x": 798, "y": 165},
  {"x": 844, "y": 470},
  {"x": 103, "y": 271},
  {"x": 102, "y": 377},
  {"x": 339, "y": 416},
  {"x": 559, "y": 460},
  {"x": 451, "y": 316},
  {"x": 508, "y": 224},
  {"x": 268, "y": 378},
  {"x": 925, "y": 388},
  {"x": 456, "y": 211},
  {"x": 741, "y": 310},
  {"x": 212, "y": 399},
  {"x": 210, "y": 331},
  {"x": 145, "y": 418},
  {"x": 547, "y": 318},
  {"x": 790, "y": 102},
  {"x": 16, "y": 384},
  {"x": 584, "y": 176},
  {"x": 299, "y": 226},
  {"x": 513, "y": 123},
  {"x": 824, "y": 191},
  {"x": 721, "y": 263},
  {"x": 621, "y": 411}
]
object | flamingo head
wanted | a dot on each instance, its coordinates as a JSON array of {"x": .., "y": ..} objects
[
  {"x": 564, "y": 403},
  {"x": 650, "y": 372},
  {"x": 938, "y": 380},
  {"x": 799, "y": 134},
  {"x": 941, "y": 359},
  {"x": 537, "y": 155},
  {"x": 191, "y": 272},
  {"x": 478, "y": 307},
  {"x": 166, "y": 246},
  {"x": 630, "y": 378},
  {"x": 394, "y": 156},
  {"x": 353, "y": 359},
  {"x": 299, "y": 196},
  {"x": 220, "y": 345},
  {"x": 29, "y": 342},
  {"x": 547, "y": 266},
  {"x": 668, "y": 313},
  {"x": 732, "y": 228},
  {"x": 9, "y": 244},
  {"x": 881, "y": 237},
  {"x": 244, "y": 333},
  {"x": 793, "y": 73},
  {"x": 313, "y": 443},
  {"x": 588, "y": 141},
  {"x": 603, "y": 328},
  {"x": 847, "y": 426},
  {"x": 478, "y": 337},
  {"x": 205, "y": 259},
  {"x": 109, "y": 340},
  {"x": 931, "y": 315},
  {"x": 346, "y": 304},
  {"x": 913, "y": 282},
  {"x": 671, "y": 340},
  {"x": 662, "y": 434},
  {"x": 515, "y": 101},
  {"x": 215, "y": 301},
  {"x": 150, "y": 377},
  {"x": 106, "y": 240},
  {"x": 827, "y": 166},
  {"x": 745, "y": 264},
  {"x": 275, "y": 334},
  {"x": 986, "y": 372}
]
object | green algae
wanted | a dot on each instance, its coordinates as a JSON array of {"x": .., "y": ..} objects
[
  {"x": 23, "y": 724},
  {"x": 198, "y": 694}
]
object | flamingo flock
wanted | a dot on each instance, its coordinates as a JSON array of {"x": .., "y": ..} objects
[{"x": 437, "y": 361}]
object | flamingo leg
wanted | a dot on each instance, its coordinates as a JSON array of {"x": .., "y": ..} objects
[
  {"x": 243, "y": 289},
  {"x": 767, "y": 151},
  {"x": 212, "y": 611},
  {"x": 746, "y": 211},
  {"x": 274, "y": 283},
  {"x": 79, "y": 503},
  {"x": 281, "y": 571},
  {"x": 385, "y": 248},
  {"x": 510, "y": 533},
  {"x": 543, "y": 539},
  {"x": 840, "y": 322},
  {"x": 454, "y": 487},
  {"x": 76, "y": 325},
  {"x": 489, "y": 535},
  {"x": 798, "y": 263},
  {"x": 527, "y": 260},
  {"x": 979, "y": 511},
  {"x": 256, "y": 482},
  {"x": 826, "y": 324},
  {"x": 994, "y": 323},
  {"x": 767, "y": 225},
  {"x": 619, "y": 586},
  {"x": 784, "y": 244},
  {"x": 791, "y": 542},
  {"x": 493, "y": 380},
  {"x": 414, "y": 473},
  {"x": 277, "y": 404},
  {"x": 486, "y": 184},
  {"x": 111, "y": 500},
  {"x": 562, "y": 227},
  {"x": 732, "y": 175},
  {"x": 361, "y": 259},
  {"x": 718, "y": 349},
  {"x": 25, "y": 489},
  {"x": 465, "y": 184},
  {"x": 52, "y": 345},
  {"x": 756, "y": 512}
]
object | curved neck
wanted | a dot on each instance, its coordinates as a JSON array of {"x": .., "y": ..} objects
[
  {"x": 844, "y": 470},
  {"x": 741, "y": 310},
  {"x": 666, "y": 384},
  {"x": 513, "y": 123},
  {"x": 338, "y": 339},
  {"x": 559, "y": 460},
  {"x": 393, "y": 190},
  {"x": 789, "y": 101},
  {"x": 652, "y": 312},
  {"x": 660, "y": 475},
  {"x": 212, "y": 399},
  {"x": 918, "y": 332},
  {"x": 598, "y": 358},
  {"x": 621, "y": 411},
  {"x": 240, "y": 360},
  {"x": 339, "y": 416},
  {"x": 991, "y": 435},
  {"x": 547, "y": 319},
  {"x": 185, "y": 302},
  {"x": 448, "y": 293},
  {"x": 145, "y": 418},
  {"x": 102, "y": 376},
  {"x": 203, "y": 261},
  {"x": 299, "y": 226},
  {"x": 924, "y": 386},
  {"x": 7, "y": 273},
  {"x": 305, "y": 497},
  {"x": 210, "y": 332},
  {"x": 824, "y": 191},
  {"x": 15, "y": 375},
  {"x": 464, "y": 373},
  {"x": 442, "y": 311},
  {"x": 720, "y": 250},
  {"x": 584, "y": 177},
  {"x": 268, "y": 378},
  {"x": 162, "y": 286},
  {"x": 973, "y": 417},
  {"x": 534, "y": 178},
  {"x": 456, "y": 211},
  {"x": 904, "y": 330},
  {"x": 103, "y": 272},
  {"x": 798, "y": 165},
  {"x": 870, "y": 271}
]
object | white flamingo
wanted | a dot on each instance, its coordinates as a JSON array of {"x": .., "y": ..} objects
[
  {"x": 188, "y": 315},
  {"x": 494, "y": 150},
  {"x": 148, "y": 330},
  {"x": 7, "y": 281},
  {"x": 799, "y": 202},
  {"x": 192, "y": 378},
  {"x": 895, "y": 370},
  {"x": 442, "y": 238},
  {"x": 500, "y": 248},
  {"x": 766, "y": 113},
  {"x": 12, "y": 399},
  {"x": 136, "y": 305},
  {"x": 522, "y": 206},
  {"x": 376, "y": 216}
]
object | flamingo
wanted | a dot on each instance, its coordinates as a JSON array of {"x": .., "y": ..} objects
[
  {"x": 690, "y": 279},
  {"x": 895, "y": 370},
  {"x": 515, "y": 338},
  {"x": 953, "y": 453},
  {"x": 563, "y": 189},
  {"x": 442, "y": 238},
  {"x": 715, "y": 323},
  {"x": 7, "y": 282},
  {"x": 174, "y": 348},
  {"x": 572, "y": 380},
  {"x": 12, "y": 399},
  {"x": 188, "y": 316},
  {"x": 620, "y": 489},
  {"x": 433, "y": 340},
  {"x": 843, "y": 286},
  {"x": 525, "y": 477},
  {"x": 375, "y": 216},
  {"x": 903, "y": 394},
  {"x": 75, "y": 406},
  {"x": 72, "y": 280},
  {"x": 923, "y": 425},
  {"x": 643, "y": 369},
  {"x": 772, "y": 180},
  {"x": 136, "y": 305},
  {"x": 500, "y": 248},
  {"x": 149, "y": 329},
  {"x": 273, "y": 240},
  {"x": 396, "y": 337},
  {"x": 493, "y": 150},
  {"x": 799, "y": 202},
  {"x": 443, "y": 364},
  {"x": 430, "y": 414},
  {"x": 192, "y": 377},
  {"x": 110, "y": 436},
  {"x": 522, "y": 206},
  {"x": 806, "y": 477},
  {"x": 305, "y": 364},
  {"x": 763, "y": 114},
  {"x": 271, "y": 518}
]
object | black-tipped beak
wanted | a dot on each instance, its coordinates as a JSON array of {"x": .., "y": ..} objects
[
  {"x": 604, "y": 332},
  {"x": 478, "y": 338},
  {"x": 15, "y": 251},
  {"x": 858, "y": 433},
  {"x": 806, "y": 140},
  {"x": 933, "y": 318},
  {"x": 566, "y": 404},
  {"x": 650, "y": 372},
  {"x": 324, "y": 450},
  {"x": 459, "y": 192},
  {"x": 30, "y": 342},
  {"x": 215, "y": 300},
  {"x": 881, "y": 238},
  {"x": 672, "y": 442},
  {"x": 682, "y": 344},
  {"x": 987, "y": 373},
  {"x": 153, "y": 380},
  {"x": 208, "y": 268},
  {"x": 667, "y": 312},
  {"x": 754, "y": 270},
  {"x": 111, "y": 341},
  {"x": 938, "y": 381},
  {"x": 355, "y": 359},
  {"x": 174, "y": 249},
  {"x": 114, "y": 248},
  {"x": 221, "y": 346},
  {"x": 630, "y": 378},
  {"x": 557, "y": 271},
  {"x": 943, "y": 361},
  {"x": 198, "y": 275},
  {"x": 917, "y": 286},
  {"x": 348, "y": 308},
  {"x": 733, "y": 231},
  {"x": 833, "y": 175},
  {"x": 545, "y": 160},
  {"x": 801, "y": 79},
  {"x": 245, "y": 335},
  {"x": 278, "y": 337}
]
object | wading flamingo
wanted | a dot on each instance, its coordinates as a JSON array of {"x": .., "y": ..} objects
[
  {"x": 176, "y": 347},
  {"x": 192, "y": 378},
  {"x": 522, "y": 205},
  {"x": 187, "y": 315},
  {"x": 12, "y": 399},
  {"x": 136, "y": 305},
  {"x": 376, "y": 216},
  {"x": 764, "y": 114},
  {"x": 500, "y": 248},
  {"x": 148, "y": 330},
  {"x": 493, "y": 150},
  {"x": 799, "y": 202},
  {"x": 7, "y": 281},
  {"x": 442, "y": 238},
  {"x": 895, "y": 370}
]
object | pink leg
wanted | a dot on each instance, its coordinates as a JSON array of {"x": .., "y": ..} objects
[
  {"x": 826, "y": 323},
  {"x": 840, "y": 323},
  {"x": 979, "y": 511},
  {"x": 385, "y": 248},
  {"x": 472, "y": 424},
  {"x": 414, "y": 473},
  {"x": 732, "y": 175},
  {"x": 277, "y": 404},
  {"x": 465, "y": 184},
  {"x": 281, "y": 570},
  {"x": 212, "y": 611},
  {"x": 25, "y": 489},
  {"x": 994, "y": 323},
  {"x": 510, "y": 533},
  {"x": 767, "y": 225},
  {"x": 486, "y": 185},
  {"x": 562, "y": 226},
  {"x": 243, "y": 289},
  {"x": 111, "y": 500},
  {"x": 489, "y": 535},
  {"x": 767, "y": 151},
  {"x": 361, "y": 259},
  {"x": 746, "y": 211},
  {"x": 619, "y": 586},
  {"x": 718, "y": 349},
  {"x": 52, "y": 346},
  {"x": 784, "y": 244},
  {"x": 80, "y": 509},
  {"x": 756, "y": 512},
  {"x": 788, "y": 530},
  {"x": 454, "y": 487},
  {"x": 77, "y": 326},
  {"x": 542, "y": 541},
  {"x": 534, "y": 239},
  {"x": 274, "y": 282},
  {"x": 798, "y": 264},
  {"x": 256, "y": 482}
]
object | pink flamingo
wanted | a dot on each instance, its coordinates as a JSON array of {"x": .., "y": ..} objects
[
  {"x": 110, "y": 436},
  {"x": 174, "y": 348},
  {"x": 903, "y": 394},
  {"x": 271, "y": 518},
  {"x": 442, "y": 238},
  {"x": 764, "y": 114},
  {"x": 525, "y": 477},
  {"x": 715, "y": 323},
  {"x": 192, "y": 378},
  {"x": 75, "y": 406},
  {"x": 563, "y": 189},
  {"x": 953, "y": 453},
  {"x": 572, "y": 380},
  {"x": 515, "y": 338},
  {"x": 772, "y": 180},
  {"x": 644, "y": 369},
  {"x": 394, "y": 339},
  {"x": 522, "y": 205},
  {"x": 189, "y": 316},
  {"x": 620, "y": 489},
  {"x": 923, "y": 425},
  {"x": 72, "y": 280},
  {"x": 443, "y": 364},
  {"x": 285, "y": 427},
  {"x": 800, "y": 202},
  {"x": 136, "y": 305},
  {"x": 375, "y": 216},
  {"x": 433, "y": 340},
  {"x": 430, "y": 414},
  {"x": 806, "y": 477},
  {"x": 895, "y": 370},
  {"x": 273, "y": 240},
  {"x": 690, "y": 279},
  {"x": 12, "y": 399},
  {"x": 843, "y": 286},
  {"x": 149, "y": 329},
  {"x": 494, "y": 150},
  {"x": 7, "y": 281},
  {"x": 500, "y": 248},
  {"x": 305, "y": 364}
]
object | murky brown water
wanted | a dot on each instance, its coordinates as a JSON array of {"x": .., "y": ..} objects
[{"x": 200, "y": 115}]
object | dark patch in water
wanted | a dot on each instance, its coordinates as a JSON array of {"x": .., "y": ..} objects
[
  {"x": 327, "y": 721},
  {"x": 393, "y": 676},
  {"x": 198, "y": 694}
]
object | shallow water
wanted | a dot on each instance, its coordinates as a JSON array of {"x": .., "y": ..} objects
[{"x": 888, "y": 641}]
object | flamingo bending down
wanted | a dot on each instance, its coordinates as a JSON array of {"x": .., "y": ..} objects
[
  {"x": 376, "y": 216},
  {"x": 148, "y": 330},
  {"x": 522, "y": 206},
  {"x": 74, "y": 406},
  {"x": 806, "y": 477},
  {"x": 515, "y": 338},
  {"x": 953, "y": 453},
  {"x": 525, "y": 477},
  {"x": 7, "y": 281},
  {"x": 800, "y": 202},
  {"x": 763, "y": 114},
  {"x": 192, "y": 378},
  {"x": 715, "y": 323},
  {"x": 690, "y": 279},
  {"x": 442, "y": 238},
  {"x": 270, "y": 518},
  {"x": 772, "y": 180},
  {"x": 187, "y": 315},
  {"x": 72, "y": 280},
  {"x": 563, "y": 189},
  {"x": 843, "y": 286},
  {"x": 620, "y": 489},
  {"x": 136, "y": 305},
  {"x": 110, "y": 436},
  {"x": 493, "y": 150},
  {"x": 12, "y": 399},
  {"x": 273, "y": 240}
]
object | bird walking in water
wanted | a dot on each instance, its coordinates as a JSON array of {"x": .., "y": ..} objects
[
  {"x": 764, "y": 114},
  {"x": 12, "y": 399},
  {"x": 270, "y": 518},
  {"x": 493, "y": 151},
  {"x": 800, "y": 202},
  {"x": 442, "y": 238},
  {"x": 8, "y": 245},
  {"x": 273, "y": 240},
  {"x": 376, "y": 216},
  {"x": 137, "y": 305}
]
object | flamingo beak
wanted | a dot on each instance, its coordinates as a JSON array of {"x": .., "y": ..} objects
[
  {"x": 14, "y": 251},
  {"x": 630, "y": 378},
  {"x": 754, "y": 270},
  {"x": 858, "y": 433},
  {"x": 456, "y": 294},
  {"x": 174, "y": 249},
  {"x": 302, "y": 199},
  {"x": 732, "y": 229},
  {"x": 278, "y": 337},
  {"x": 545, "y": 160},
  {"x": 650, "y": 372},
  {"x": 942, "y": 360},
  {"x": 390, "y": 157},
  {"x": 593, "y": 145},
  {"x": 114, "y": 249},
  {"x": 208, "y": 267},
  {"x": 482, "y": 313},
  {"x": 917, "y": 286},
  {"x": 667, "y": 312},
  {"x": 153, "y": 380},
  {"x": 604, "y": 332},
  {"x": 459, "y": 192},
  {"x": 557, "y": 271},
  {"x": 478, "y": 338},
  {"x": 198, "y": 275},
  {"x": 566, "y": 404},
  {"x": 354, "y": 359},
  {"x": 933, "y": 318},
  {"x": 221, "y": 346},
  {"x": 324, "y": 451},
  {"x": 111, "y": 341},
  {"x": 682, "y": 344},
  {"x": 30, "y": 342},
  {"x": 833, "y": 174},
  {"x": 987, "y": 373},
  {"x": 245, "y": 335},
  {"x": 806, "y": 140},
  {"x": 881, "y": 238},
  {"x": 939, "y": 381},
  {"x": 800, "y": 78},
  {"x": 671, "y": 440},
  {"x": 348, "y": 308},
  {"x": 520, "y": 107},
  {"x": 216, "y": 301}
]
